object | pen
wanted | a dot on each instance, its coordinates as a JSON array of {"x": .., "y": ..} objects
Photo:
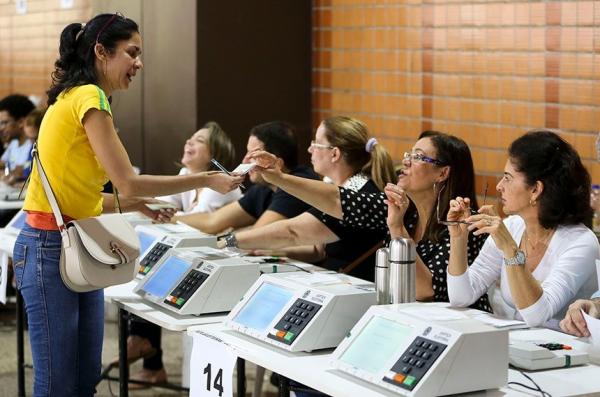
[{"x": 219, "y": 166}]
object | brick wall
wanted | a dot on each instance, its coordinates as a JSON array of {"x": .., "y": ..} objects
[
  {"x": 486, "y": 71},
  {"x": 29, "y": 43}
]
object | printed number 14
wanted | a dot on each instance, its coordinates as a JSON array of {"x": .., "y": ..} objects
[{"x": 218, "y": 384}]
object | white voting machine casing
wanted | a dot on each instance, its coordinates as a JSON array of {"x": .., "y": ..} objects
[
  {"x": 533, "y": 350},
  {"x": 424, "y": 349},
  {"x": 147, "y": 233},
  {"x": 157, "y": 239},
  {"x": 302, "y": 311},
  {"x": 202, "y": 280}
]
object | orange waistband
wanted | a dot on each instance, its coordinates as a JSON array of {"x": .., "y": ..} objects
[{"x": 44, "y": 220}]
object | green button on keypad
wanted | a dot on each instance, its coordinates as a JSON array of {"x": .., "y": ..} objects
[
  {"x": 180, "y": 301},
  {"x": 289, "y": 336},
  {"x": 410, "y": 380}
]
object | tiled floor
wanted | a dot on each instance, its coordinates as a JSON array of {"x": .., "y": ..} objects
[{"x": 172, "y": 346}]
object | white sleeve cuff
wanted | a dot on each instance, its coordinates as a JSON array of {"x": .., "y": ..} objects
[
  {"x": 537, "y": 314},
  {"x": 460, "y": 291}
]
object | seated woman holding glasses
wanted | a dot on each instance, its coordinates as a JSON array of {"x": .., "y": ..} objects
[
  {"x": 543, "y": 254},
  {"x": 346, "y": 156},
  {"x": 438, "y": 167}
]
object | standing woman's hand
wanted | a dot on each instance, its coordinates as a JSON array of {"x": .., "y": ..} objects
[
  {"x": 223, "y": 183},
  {"x": 397, "y": 203},
  {"x": 488, "y": 221}
]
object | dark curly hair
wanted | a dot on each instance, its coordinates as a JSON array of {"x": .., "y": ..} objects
[
  {"x": 76, "y": 63},
  {"x": 17, "y": 105},
  {"x": 542, "y": 155}
]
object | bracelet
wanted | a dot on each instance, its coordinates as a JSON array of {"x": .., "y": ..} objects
[{"x": 230, "y": 240}]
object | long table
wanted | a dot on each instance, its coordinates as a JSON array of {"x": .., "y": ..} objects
[
  {"x": 153, "y": 314},
  {"x": 314, "y": 370}
]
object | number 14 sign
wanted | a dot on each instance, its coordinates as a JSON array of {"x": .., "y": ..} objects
[{"x": 211, "y": 367}]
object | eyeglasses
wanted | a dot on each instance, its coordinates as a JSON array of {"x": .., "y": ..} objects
[
  {"x": 454, "y": 223},
  {"x": 315, "y": 145},
  {"x": 4, "y": 123},
  {"x": 418, "y": 157}
]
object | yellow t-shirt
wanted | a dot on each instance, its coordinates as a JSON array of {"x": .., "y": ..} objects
[{"x": 74, "y": 173}]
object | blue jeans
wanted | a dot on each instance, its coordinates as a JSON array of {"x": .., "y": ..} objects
[{"x": 65, "y": 327}]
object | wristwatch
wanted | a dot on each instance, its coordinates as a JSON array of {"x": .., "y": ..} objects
[
  {"x": 517, "y": 260},
  {"x": 230, "y": 240}
]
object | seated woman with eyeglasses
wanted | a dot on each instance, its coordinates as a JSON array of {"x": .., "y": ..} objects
[
  {"x": 438, "y": 167},
  {"x": 544, "y": 253},
  {"x": 345, "y": 154}
]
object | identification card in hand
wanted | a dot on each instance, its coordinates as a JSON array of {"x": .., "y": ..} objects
[
  {"x": 211, "y": 368},
  {"x": 243, "y": 168},
  {"x": 160, "y": 206}
]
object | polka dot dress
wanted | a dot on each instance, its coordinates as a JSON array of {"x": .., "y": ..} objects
[{"x": 367, "y": 210}]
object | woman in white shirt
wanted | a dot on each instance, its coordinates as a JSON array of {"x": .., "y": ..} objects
[
  {"x": 208, "y": 142},
  {"x": 543, "y": 253}
]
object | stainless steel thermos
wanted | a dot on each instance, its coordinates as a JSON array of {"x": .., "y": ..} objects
[
  {"x": 382, "y": 276},
  {"x": 402, "y": 260}
]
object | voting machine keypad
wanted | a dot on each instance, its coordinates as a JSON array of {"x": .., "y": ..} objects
[
  {"x": 152, "y": 257},
  {"x": 294, "y": 321},
  {"x": 185, "y": 289},
  {"x": 414, "y": 363}
]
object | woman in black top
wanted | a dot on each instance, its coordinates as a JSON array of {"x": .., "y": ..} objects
[
  {"x": 347, "y": 156},
  {"x": 438, "y": 167}
]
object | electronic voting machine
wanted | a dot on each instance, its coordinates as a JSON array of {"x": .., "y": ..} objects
[
  {"x": 203, "y": 279},
  {"x": 537, "y": 349},
  {"x": 424, "y": 349},
  {"x": 302, "y": 311},
  {"x": 157, "y": 239}
]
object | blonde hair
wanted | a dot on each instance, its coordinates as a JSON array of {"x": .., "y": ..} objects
[
  {"x": 219, "y": 144},
  {"x": 351, "y": 136}
]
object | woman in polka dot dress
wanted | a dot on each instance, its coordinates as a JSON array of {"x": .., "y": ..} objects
[{"x": 439, "y": 167}]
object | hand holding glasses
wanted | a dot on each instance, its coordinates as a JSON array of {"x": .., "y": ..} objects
[{"x": 460, "y": 222}]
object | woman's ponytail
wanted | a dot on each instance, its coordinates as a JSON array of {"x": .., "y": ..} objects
[{"x": 380, "y": 167}]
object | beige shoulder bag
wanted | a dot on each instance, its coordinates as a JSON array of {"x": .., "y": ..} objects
[{"x": 96, "y": 252}]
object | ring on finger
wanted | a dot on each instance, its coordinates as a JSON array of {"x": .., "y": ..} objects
[{"x": 488, "y": 222}]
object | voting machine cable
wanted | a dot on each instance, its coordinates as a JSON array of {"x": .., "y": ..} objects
[{"x": 536, "y": 388}]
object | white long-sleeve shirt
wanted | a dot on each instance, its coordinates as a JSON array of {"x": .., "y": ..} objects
[
  {"x": 207, "y": 200},
  {"x": 566, "y": 272}
]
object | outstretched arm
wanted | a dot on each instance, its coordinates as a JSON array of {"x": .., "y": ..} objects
[
  {"x": 114, "y": 159},
  {"x": 323, "y": 196},
  {"x": 304, "y": 229}
]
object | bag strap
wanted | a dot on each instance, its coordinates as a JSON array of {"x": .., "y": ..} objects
[
  {"x": 116, "y": 201},
  {"x": 50, "y": 193},
  {"x": 48, "y": 189}
]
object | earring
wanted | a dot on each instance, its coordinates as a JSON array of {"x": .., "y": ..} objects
[
  {"x": 434, "y": 187},
  {"x": 532, "y": 202}
]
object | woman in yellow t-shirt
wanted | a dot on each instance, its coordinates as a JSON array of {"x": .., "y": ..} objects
[{"x": 80, "y": 152}]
